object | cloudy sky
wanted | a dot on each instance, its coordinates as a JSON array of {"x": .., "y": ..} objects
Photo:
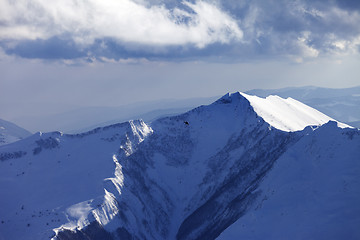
[{"x": 61, "y": 54}]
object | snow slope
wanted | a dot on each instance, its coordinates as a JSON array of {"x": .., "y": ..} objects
[
  {"x": 189, "y": 176},
  {"x": 312, "y": 192},
  {"x": 287, "y": 114},
  {"x": 10, "y": 132},
  {"x": 339, "y": 103}
]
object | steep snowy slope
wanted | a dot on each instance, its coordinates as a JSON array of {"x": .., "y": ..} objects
[
  {"x": 184, "y": 177},
  {"x": 10, "y": 132},
  {"x": 312, "y": 192}
]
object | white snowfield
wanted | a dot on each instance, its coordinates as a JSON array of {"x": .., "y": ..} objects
[{"x": 288, "y": 114}]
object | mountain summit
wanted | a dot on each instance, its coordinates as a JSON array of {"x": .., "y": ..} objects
[{"x": 215, "y": 171}]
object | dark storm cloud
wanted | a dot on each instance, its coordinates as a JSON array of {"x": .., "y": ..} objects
[
  {"x": 171, "y": 30},
  {"x": 52, "y": 48}
]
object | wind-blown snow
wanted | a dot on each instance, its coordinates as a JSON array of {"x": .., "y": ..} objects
[{"x": 288, "y": 114}]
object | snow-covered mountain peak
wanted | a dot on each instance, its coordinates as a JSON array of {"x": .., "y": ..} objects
[
  {"x": 284, "y": 114},
  {"x": 287, "y": 114},
  {"x": 230, "y": 97},
  {"x": 188, "y": 176}
]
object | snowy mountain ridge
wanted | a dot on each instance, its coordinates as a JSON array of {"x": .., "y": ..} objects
[
  {"x": 10, "y": 132},
  {"x": 287, "y": 114},
  {"x": 341, "y": 104},
  {"x": 189, "y": 176}
]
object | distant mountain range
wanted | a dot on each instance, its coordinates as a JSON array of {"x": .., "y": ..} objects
[
  {"x": 340, "y": 104},
  {"x": 87, "y": 118},
  {"x": 242, "y": 167}
]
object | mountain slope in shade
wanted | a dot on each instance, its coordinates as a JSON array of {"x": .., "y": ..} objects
[
  {"x": 9, "y": 132},
  {"x": 312, "y": 192},
  {"x": 189, "y": 176}
]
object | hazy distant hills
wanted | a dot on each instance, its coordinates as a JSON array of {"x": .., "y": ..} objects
[
  {"x": 87, "y": 118},
  {"x": 340, "y": 104}
]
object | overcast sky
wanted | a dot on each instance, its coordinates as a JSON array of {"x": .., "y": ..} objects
[{"x": 61, "y": 54}]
